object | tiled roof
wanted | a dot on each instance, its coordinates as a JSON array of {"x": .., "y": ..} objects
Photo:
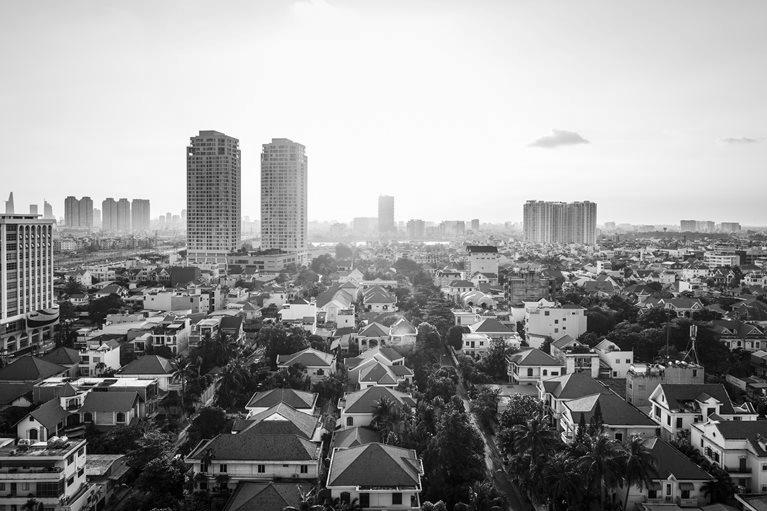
[
  {"x": 115, "y": 401},
  {"x": 291, "y": 397},
  {"x": 364, "y": 401},
  {"x": 374, "y": 465},
  {"x": 252, "y": 445},
  {"x": 62, "y": 356},
  {"x": 378, "y": 295},
  {"x": 490, "y": 325},
  {"x": 29, "y": 368},
  {"x": 572, "y": 386},
  {"x": 264, "y": 496},
  {"x": 304, "y": 423},
  {"x": 148, "y": 364},
  {"x": 374, "y": 330},
  {"x": 615, "y": 411},
  {"x": 669, "y": 461},
  {"x": 307, "y": 358},
  {"x": 753, "y": 431},
  {"x": 50, "y": 414},
  {"x": 677, "y": 394},
  {"x": 354, "y": 436},
  {"x": 534, "y": 357}
]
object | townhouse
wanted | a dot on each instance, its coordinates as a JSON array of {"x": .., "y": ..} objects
[
  {"x": 614, "y": 362},
  {"x": 530, "y": 366}
]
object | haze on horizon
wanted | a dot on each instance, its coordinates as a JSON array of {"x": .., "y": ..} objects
[{"x": 655, "y": 110}]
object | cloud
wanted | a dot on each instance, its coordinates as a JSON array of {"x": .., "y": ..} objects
[
  {"x": 559, "y": 138},
  {"x": 312, "y": 7},
  {"x": 741, "y": 140}
]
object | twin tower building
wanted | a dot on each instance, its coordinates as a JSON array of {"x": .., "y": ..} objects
[{"x": 214, "y": 197}]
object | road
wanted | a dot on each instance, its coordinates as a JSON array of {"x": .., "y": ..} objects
[{"x": 493, "y": 458}]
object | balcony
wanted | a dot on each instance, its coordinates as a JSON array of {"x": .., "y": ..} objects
[{"x": 744, "y": 471}]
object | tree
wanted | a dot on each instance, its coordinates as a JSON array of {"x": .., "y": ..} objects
[
  {"x": 293, "y": 377},
  {"x": 209, "y": 422},
  {"x": 603, "y": 465},
  {"x": 324, "y": 264},
  {"x": 454, "y": 457},
  {"x": 151, "y": 445},
  {"x": 494, "y": 363},
  {"x": 344, "y": 252},
  {"x": 485, "y": 406},
  {"x": 278, "y": 341},
  {"x": 387, "y": 417},
  {"x": 638, "y": 466},
  {"x": 330, "y": 389},
  {"x": 535, "y": 437},
  {"x": 73, "y": 287},
  {"x": 234, "y": 384},
  {"x": 454, "y": 337},
  {"x": 99, "y": 308}
]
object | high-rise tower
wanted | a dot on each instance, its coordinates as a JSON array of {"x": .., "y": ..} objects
[
  {"x": 284, "y": 219},
  {"x": 386, "y": 215},
  {"x": 213, "y": 197}
]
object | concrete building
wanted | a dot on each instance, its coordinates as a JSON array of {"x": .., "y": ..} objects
[
  {"x": 33, "y": 209},
  {"x": 729, "y": 227},
  {"x": 213, "y": 197},
  {"x": 528, "y": 287},
  {"x": 47, "y": 210},
  {"x": 109, "y": 215},
  {"x": 27, "y": 313},
  {"x": 9, "y": 207},
  {"x": 482, "y": 259},
  {"x": 560, "y": 222},
  {"x": 416, "y": 229},
  {"x": 642, "y": 379},
  {"x": 555, "y": 322},
  {"x": 386, "y": 215},
  {"x": 140, "y": 215},
  {"x": 364, "y": 226},
  {"x": 284, "y": 189},
  {"x": 123, "y": 216},
  {"x": 78, "y": 213}
]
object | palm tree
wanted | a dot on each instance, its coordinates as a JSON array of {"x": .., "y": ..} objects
[
  {"x": 386, "y": 417},
  {"x": 638, "y": 466},
  {"x": 562, "y": 481},
  {"x": 535, "y": 437},
  {"x": 602, "y": 465}
]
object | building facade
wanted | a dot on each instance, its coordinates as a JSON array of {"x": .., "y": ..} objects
[
  {"x": 213, "y": 197},
  {"x": 140, "y": 215},
  {"x": 27, "y": 313},
  {"x": 284, "y": 189},
  {"x": 560, "y": 222},
  {"x": 386, "y": 215}
]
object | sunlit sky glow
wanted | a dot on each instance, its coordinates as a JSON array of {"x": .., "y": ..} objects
[{"x": 656, "y": 110}]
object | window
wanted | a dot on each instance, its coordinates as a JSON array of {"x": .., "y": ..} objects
[
  {"x": 87, "y": 417},
  {"x": 619, "y": 437},
  {"x": 70, "y": 459},
  {"x": 222, "y": 468},
  {"x": 25, "y": 486},
  {"x": 668, "y": 420},
  {"x": 261, "y": 469},
  {"x": 120, "y": 417},
  {"x": 678, "y": 422},
  {"x": 203, "y": 467},
  {"x": 304, "y": 469},
  {"x": 530, "y": 371},
  {"x": 764, "y": 466},
  {"x": 364, "y": 500},
  {"x": 396, "y": 499},
  {"x": 350, "y": 421}
]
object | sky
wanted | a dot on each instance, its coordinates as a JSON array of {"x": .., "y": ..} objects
[{"x": 656, "y": 110}]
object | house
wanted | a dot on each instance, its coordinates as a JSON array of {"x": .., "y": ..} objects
[
  {"x": 107, "y": 409},
  {"x": 556, "y": 391},
  {"x": 555, "y": 322},
  {"x": 278, "y": 443},
  {"x": 683, "y": 307},
  {"x": 378, "y": 476},
  {"x": 304, "y": 402},
  {"x": 379, "y": 355},
  {"x": 620, "y": 420},
  {"x": 739, "y": 447},
  {"x": 317, "y": 364},
  {"x": 402, "y": 334},
  {"x": 737, "y": 334},
  {"x": 111, "y": 289},
  {"x": 575, "y": 356},
  {"x": 357, "y": 407},
  {"x": 379, "y": 300},
  {"x": 493, "y": 329},
  {"x": 65, "y": 357},
  {"x": 44, "y": 422},
  {"x": 152, "y": 367},
  {"x": 375, "y": 373},
  {"x": 614, "y": 362},
  {"x": 79, "y": 299},
  {"x": 99, "y": 354},
  {"x": 53, "y": 471},
  {"x": 677, "y": 407},
  {"x": 264, "y": 496},
  {"x": 29, "y": 370},
  {"x": 642, "y": 379},
  {"x": 476, "y": 345},
  {"x": 372, "y": 335},
  {"x": 530, "y": 366},
  {"x": 458, "y": 287},
  {"x": 674, "y": 479},
  {"x": 172, "y": 333},
  {"x": 351, "y": 437}
]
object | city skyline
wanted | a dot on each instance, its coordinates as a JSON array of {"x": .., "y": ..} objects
[{"x": 629, "y": 112}]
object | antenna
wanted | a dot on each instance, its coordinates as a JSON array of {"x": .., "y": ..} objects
[{"x": 692, "y": 353}]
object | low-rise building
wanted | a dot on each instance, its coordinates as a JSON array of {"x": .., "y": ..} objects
[
  {"x": 643, "y": 379},
  {"x": 317, "y": 364},
  {"x": 554, "y": 322},
  {"x": 620, "y": 420},
  {"x": 357, "y": 408},
  {"x": 530, "y": 366},
  {"x": 615, "y": 362}
]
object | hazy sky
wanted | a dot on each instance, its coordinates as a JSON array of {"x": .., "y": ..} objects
[{"x": 656, "y": 110}]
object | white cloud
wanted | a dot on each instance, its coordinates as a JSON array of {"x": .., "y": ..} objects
[{"x": 559, "y": 138}]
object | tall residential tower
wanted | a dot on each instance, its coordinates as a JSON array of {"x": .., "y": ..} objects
[
  {"x": 213, "y": 197},
  {"x": 560, "y": 222},
  {"x": 140, "y": 215},
  {"x": 386, "y": 215},
  {"x": 284, "y": 186}
]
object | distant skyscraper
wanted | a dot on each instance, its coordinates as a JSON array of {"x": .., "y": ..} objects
[
  {"x": 78, "y": 214},
  {"x": 364, "y": 226},
  {"x": 475, "y": 225},
  {"x": 386, "y": 215},
  {"x": 47, "y": 210},
  {"x": 416, "y": 229},
  {"x": 96, "y": 218},
  {"x": 9, "y": 208},
  {"x": 284, "y": 209},
  {"x": 27, "y": 317},
  {"x": 140, "y": 215},
  {"x": 123, "y": 215},
  {"x": 86, "y": 213},
  {"x": 109, "y": 215},
  {"x": 729, "y": 227},
  {"x": 560, "y": 222},
  {"x": 33, "y": 209},
  {"x": 452, "y": 228},
  {"x": 213, "y": 196}
]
